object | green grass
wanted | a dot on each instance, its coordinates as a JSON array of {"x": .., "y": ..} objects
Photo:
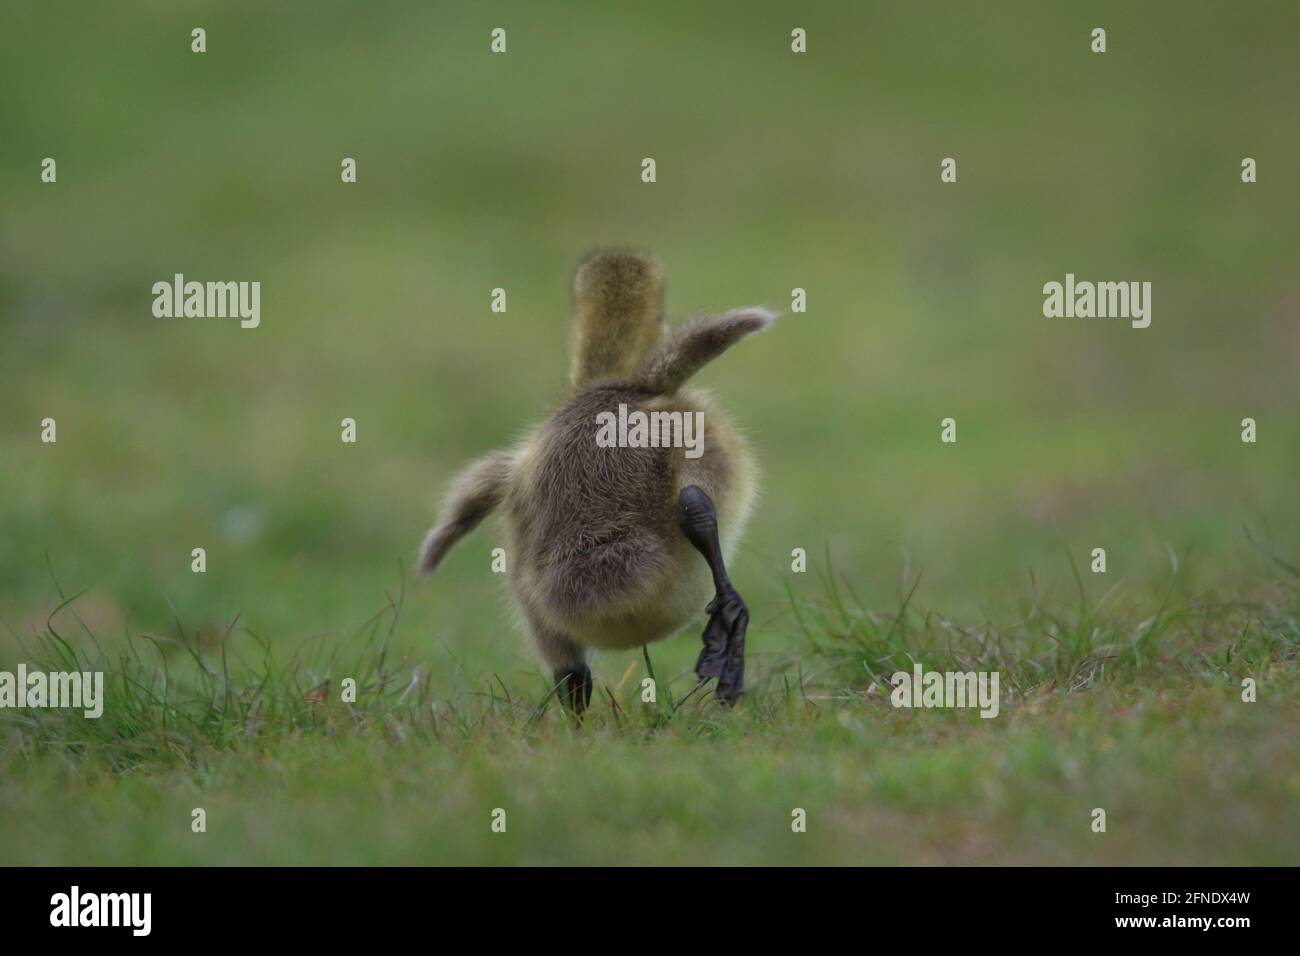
[{"x": 1137, "y": 710}]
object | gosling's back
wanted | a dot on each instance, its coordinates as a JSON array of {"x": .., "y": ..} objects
[{"x": 592, "y": 527}]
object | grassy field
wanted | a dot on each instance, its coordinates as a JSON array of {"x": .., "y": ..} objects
[
  {"x": 1121, "y": 690},
  {"x": 1144, "y": 720}
]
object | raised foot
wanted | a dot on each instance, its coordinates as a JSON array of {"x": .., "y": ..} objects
[{"x": 723, "y": 655}]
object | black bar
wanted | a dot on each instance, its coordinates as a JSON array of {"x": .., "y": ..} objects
[{"x": 336, "y": 905}]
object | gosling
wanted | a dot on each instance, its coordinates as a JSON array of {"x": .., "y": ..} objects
[{"x": 604, "y": 541}]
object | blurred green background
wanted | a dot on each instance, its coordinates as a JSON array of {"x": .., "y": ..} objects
[{"x": 775, "y": 171}]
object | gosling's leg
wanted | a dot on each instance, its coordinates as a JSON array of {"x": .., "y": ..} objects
[
  {"x": 573, "y": 685},
  {"x": 723, "y": 655},
  {"x": 568, "y": 664}
]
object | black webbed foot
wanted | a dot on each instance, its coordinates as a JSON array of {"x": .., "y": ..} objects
[
  {"x": 723, "y": 655},
  {"x": 573, "y": 686}
]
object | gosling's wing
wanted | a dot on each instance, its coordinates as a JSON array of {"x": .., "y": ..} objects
[
  {"x": 471, "y": 497},
  {"x": 695, "y": 343}
]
